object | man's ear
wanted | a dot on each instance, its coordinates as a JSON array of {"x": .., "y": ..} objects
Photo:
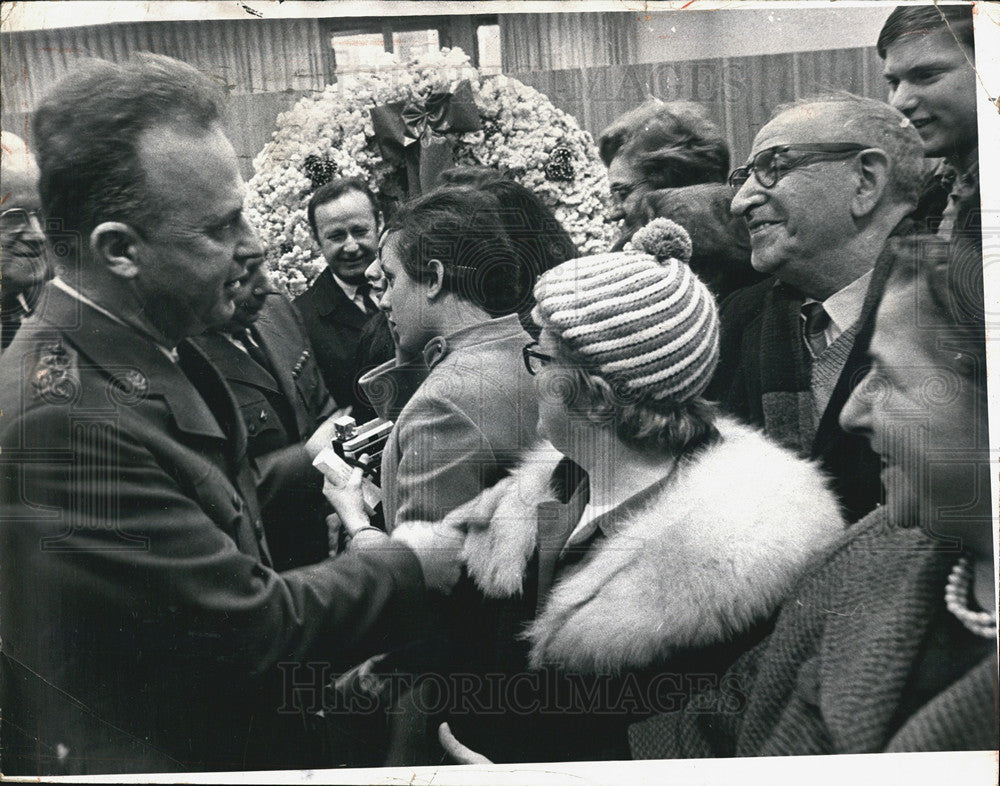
[
  {"x": 873, "y": 180},
  {"x": 116, "y": 246},
  {"x": 435, "y": 279}
]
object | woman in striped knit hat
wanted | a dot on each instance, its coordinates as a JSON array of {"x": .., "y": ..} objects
[{"x": 649, "y": 540}]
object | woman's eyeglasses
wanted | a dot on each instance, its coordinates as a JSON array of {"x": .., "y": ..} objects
[
  {"x": 770, "y": 165},
  {"x": 533, "y": 359}
]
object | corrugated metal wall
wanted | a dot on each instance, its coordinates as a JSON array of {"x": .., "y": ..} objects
[
  {"x": 584, "y": 69},
  {"x": 265, "y": 64},
  {"x": 740, "y": 93},
  {"x": 253, "y": 55}
]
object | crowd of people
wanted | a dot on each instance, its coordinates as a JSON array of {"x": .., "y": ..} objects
[{"x": 721, "y": 490}]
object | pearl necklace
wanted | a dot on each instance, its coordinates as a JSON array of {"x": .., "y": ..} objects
[{"x": 956, "y": 598}]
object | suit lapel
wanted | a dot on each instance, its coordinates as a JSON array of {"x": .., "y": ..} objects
[
  {"x": 334, "y": 306},
  {"x": 857, "y": 363},
  {"x": 236, "y": 365},
  {"x": 786, "y": 395},
  {"x": 199, "y": 372},
  {"x": 270, "y": 339}
]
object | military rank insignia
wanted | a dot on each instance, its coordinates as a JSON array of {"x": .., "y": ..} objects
[{"x": 54, "y": 378}]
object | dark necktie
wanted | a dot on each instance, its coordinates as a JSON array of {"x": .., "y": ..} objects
[
  {"x": 816, "y": 323},
  {"x": 254, "y": 350},
  {"x": 365, "y": 291}
]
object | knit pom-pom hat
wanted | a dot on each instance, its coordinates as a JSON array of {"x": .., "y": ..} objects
[{"x": 639, "y": 318}]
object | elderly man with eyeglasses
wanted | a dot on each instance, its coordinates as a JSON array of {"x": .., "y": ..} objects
[
  {"x": 828, "y": 181},
  {"x": 24, "y": 253}
]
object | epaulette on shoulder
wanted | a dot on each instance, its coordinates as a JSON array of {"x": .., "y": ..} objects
[{"x": 55, "y": 375}]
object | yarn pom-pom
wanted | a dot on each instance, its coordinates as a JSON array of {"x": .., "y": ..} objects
[{"x": 663, "y": 239}]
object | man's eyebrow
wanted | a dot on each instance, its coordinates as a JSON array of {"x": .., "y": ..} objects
[
  {"x": 926, "y": 65},
  {"x": 233, "y": 212}
]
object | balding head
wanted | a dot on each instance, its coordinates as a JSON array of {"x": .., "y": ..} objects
[
  {"x": 16, "y": 159},
  {"x": 843, "y": 117},
  {"x": 829, "y": 179}
]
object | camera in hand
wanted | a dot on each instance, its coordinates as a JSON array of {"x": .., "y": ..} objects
[{"x": 351, "y": 441}]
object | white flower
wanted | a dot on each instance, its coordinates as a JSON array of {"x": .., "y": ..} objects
[{"x": 520, "y": 130}]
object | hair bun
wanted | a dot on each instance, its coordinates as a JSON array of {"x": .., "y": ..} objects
[{"x": 663, "y": 239}]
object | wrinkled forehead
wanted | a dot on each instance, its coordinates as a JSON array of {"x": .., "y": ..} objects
[{"x": 807, "y": 124}]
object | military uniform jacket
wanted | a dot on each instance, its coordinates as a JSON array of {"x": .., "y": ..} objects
[
  {"x": 142, "y": 628},
  {"x": 281, "y": 405}
]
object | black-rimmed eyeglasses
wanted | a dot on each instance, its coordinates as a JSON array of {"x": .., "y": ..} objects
[
  {"x": 17, "y": 219},
  {"x": 770, "y": 165},
  {"x": 533, "y": 359}
]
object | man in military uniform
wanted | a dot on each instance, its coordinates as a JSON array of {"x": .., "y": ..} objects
[
  {"x": 143, "y": 625},
  {"x": 266, "y": 359}
]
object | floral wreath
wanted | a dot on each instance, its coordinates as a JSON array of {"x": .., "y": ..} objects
[{"x": 396, "y": 126}]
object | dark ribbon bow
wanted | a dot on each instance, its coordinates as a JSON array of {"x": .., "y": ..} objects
[{"x": 413, "y": 133}]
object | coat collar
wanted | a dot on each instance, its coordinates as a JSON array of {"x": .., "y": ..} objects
[
  {"x": 235, "y": 364},
  {"x": 690, "y": 568},
  {"x": 130, "y": 358},
  {"x": 499, "y": 329},
  {"x": 333, "y": 304},
  {"x": 389, "y": 387}
]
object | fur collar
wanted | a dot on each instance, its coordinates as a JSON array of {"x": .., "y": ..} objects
[{"x": 710, "y": 554}]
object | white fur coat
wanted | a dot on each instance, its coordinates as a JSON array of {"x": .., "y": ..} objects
[{"x": 712, "y": 553}]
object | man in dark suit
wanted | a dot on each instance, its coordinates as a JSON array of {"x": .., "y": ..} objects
[
  {"x": 266, "y": 359},
  {"x": 143, "y": 626},
  {"x": 344, "y": 220},
  {"x": 828, "y": 181}
]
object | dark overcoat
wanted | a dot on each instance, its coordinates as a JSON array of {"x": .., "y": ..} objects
[
  {"x": 763, "y": 378},
  {"x": 334, "y": 326}
]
